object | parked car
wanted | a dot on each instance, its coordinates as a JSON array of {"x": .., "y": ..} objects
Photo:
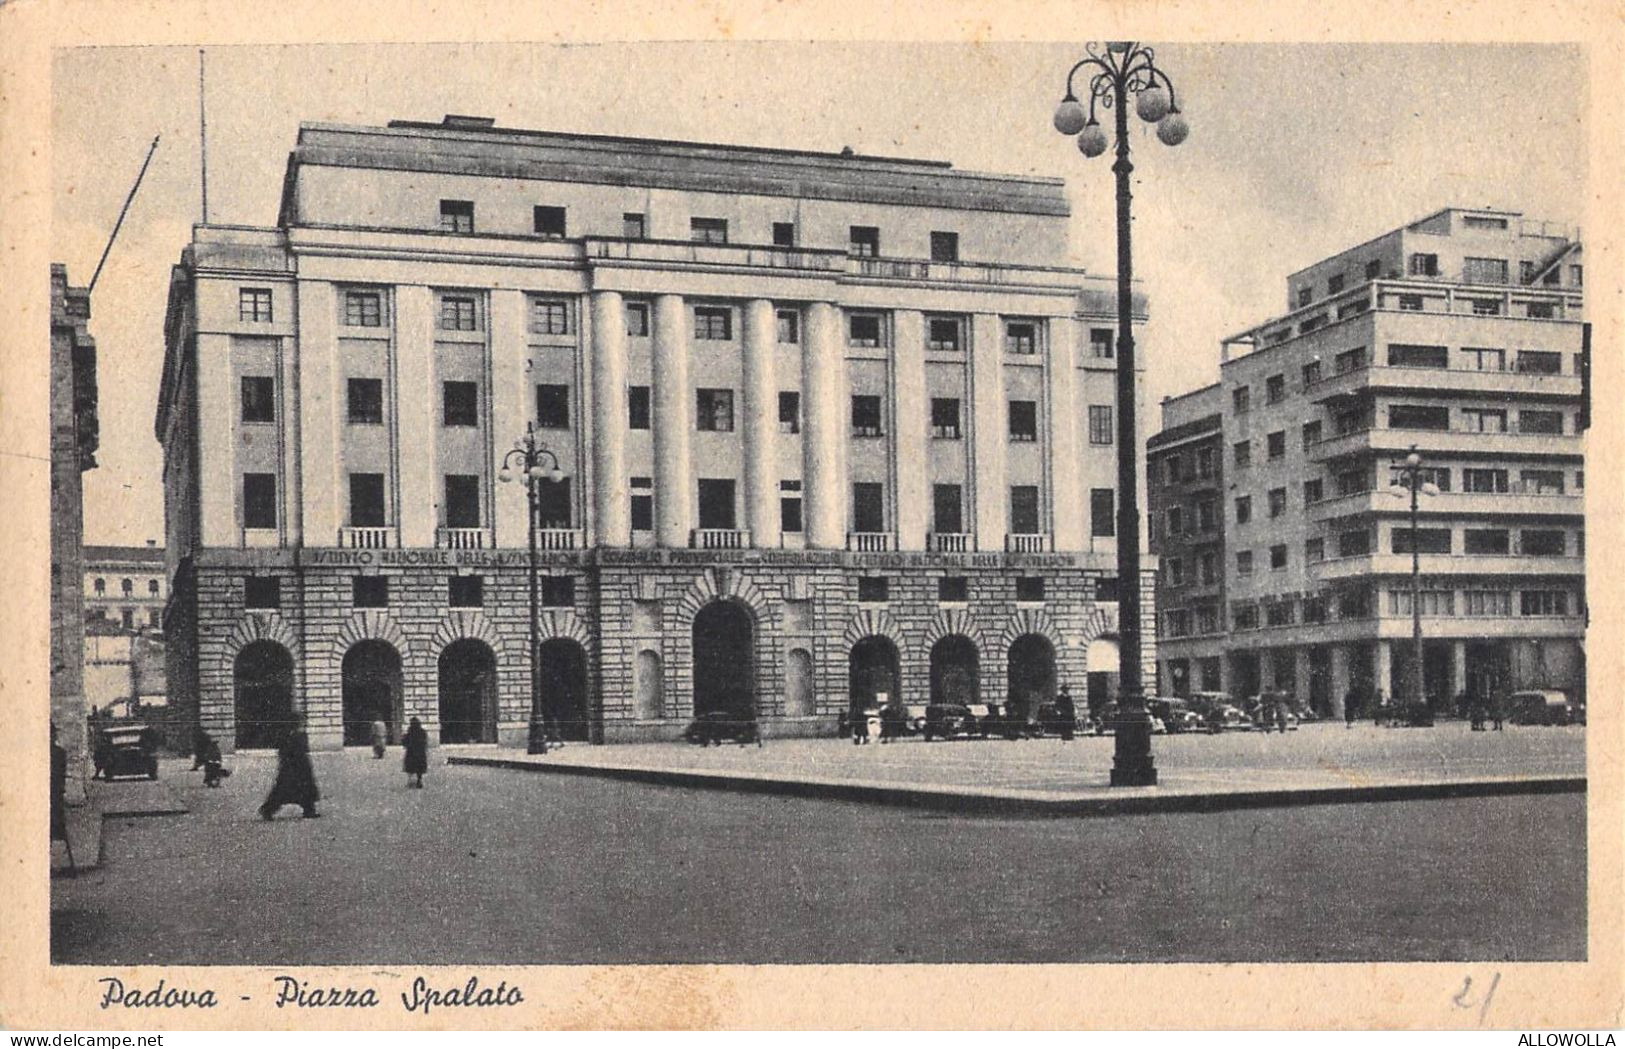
[
  {"x": 949, "y": 721},
  {"x": 1051, "y": 723},
  {"x": 722, "y": 726},
  {"x": 1218, "y": 714},
  {"x": 1103, "y": 723},
  {"x": 1261, "y": 710},
  {"x": 1174, "y": 713},
  {"x": 126, "y": 750},
  {"x": 1545, "y": 707}
]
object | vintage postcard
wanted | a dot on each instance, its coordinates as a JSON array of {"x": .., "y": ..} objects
[{"x": 618, "y": 517}]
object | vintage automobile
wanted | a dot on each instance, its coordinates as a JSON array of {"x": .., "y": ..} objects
[
  {"x": 1103, "y": 722},
  {"x": 1051, "y": 722},
  {"x": 1260, "y": 710},
  {"x": 949, "y": 721},
  {"x": 126, "y": 750},
  {"x": 1175, "y": 713},
  {"x": 722, "y": 726},
  {"x": 1545, "y": 707}
]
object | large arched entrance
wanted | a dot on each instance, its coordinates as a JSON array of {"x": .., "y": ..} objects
[
  {"x": 724, "y": 670},
  {"x": 872, "y": 673},
  {"x": 372, "y": 691},
  {"x": 1104, "y": 662},
  {"x": 1031, "y": 674},
  {"x": 468, "y": 693},
  {"x": 262, "y": 681},
  {"x": 561, "y": 665},
  {"x": 955, "y": 671}
]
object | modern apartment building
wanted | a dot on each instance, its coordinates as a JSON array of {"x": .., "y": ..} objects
[
  {"x": 829, "y": 425},
  {"x": 1461, "y": 337}
]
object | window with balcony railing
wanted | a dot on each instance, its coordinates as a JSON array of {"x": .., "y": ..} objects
[
  {"x": 1543, "y": 603},
  {"x": 1542, "y": 542},
  {"x": 1483, "y": 420},
  {"x": 1349, "y": 360},
  {"x": 1484, "y": 271},
  {"x": 1481, "y": 479},
  {"x": 1402, "y": 355},
  {"x": 1418, "y": 417},
  {"x": 1539, "y": 362},
  {"x": 1424, "y": 540},
  {"x": 1486, "y": 541},
  {"x": 866, "y": 416},
  {"x": 945, "y": 418}
]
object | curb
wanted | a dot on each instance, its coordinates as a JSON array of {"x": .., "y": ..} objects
[{"x": 991, "y": 803}]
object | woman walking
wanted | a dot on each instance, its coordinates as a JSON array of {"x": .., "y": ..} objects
[
  {"x": 417, "y": 753},
  {"x": 295, "y": 779}
]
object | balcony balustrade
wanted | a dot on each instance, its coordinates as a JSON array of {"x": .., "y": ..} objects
[
  {"x": 558, "y": 538},
  {"x": 869, "y": 542},
  {"x": 367, "y": 537},
  {"x": 462, "y": 538},
  {"x": 1027, "y": 542},
  {"x": 719, "y": 539},
  {"x": 950, "y": 542}
]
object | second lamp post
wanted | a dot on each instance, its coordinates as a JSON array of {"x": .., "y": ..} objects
[
  {"x": 527, "y": 457},
  {"x": 1413, "y": 481}
]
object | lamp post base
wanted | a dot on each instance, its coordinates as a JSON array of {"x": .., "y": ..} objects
[{"x": 1132, "y": 764}]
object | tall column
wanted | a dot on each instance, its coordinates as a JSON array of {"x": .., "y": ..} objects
[
  {"x": 512, "y": 395},
  {"x": 1069, "y": 507},
  {"x": 415, "y": 402},
  {"x": 761, "y": 429},
  {"x": 314, "y": 505},
  {"x": 911, "y": 420},
  {"x": 612, "y": 507},
  {"x": 1385, "y": 669},
  {"x": 1303, "y": 681},
  {"x": 990, "y": 432},
  {"x": 1458, "y": 669},
  {"x": 823, "y": 393},
  {"x": 673, "y": 422},
  {"x": 1340, "y": 677}
]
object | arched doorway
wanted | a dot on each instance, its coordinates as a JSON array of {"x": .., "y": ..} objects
[
  {"x": 372, "y": 691},
  {"x": 468, "y": 693},
  {"x": 798, "y": 684},
  {"x": 1103, "y": 662},
  {"x": 262, "y": 684},
  {"x": 1031, "y": 674},
  {"x": 955, "y": 671},
  {"x": 724, "y": 670},
  {"x": 561, "y": 665},
  {"x": 872, "y": 671}
]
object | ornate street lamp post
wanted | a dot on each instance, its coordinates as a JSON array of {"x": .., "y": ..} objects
[
  {"x": 526, "y": 457},
  {"x": 1412, "y": 482},
  {"x": 1125, "y": 68}
]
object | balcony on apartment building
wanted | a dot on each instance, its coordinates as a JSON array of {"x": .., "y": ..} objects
[
  {"x": 1518, "y": 499},
  {"x": 1398, "y": 441},
  {"x": 1508, "y": 379},
  {"x": 1385, "y": 564}
]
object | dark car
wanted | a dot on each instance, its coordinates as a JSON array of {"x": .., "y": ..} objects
[
  {"x": 1545, "y": 707},
  {"x": 127, "y": 750},
  {"x": 1104, "y": 721},
  {"x": 722, "y": 726},
  {"x": 1051, "y": 722},
  {"x": 1174, "y": 713},
  {"x": 948, "y": 720}
]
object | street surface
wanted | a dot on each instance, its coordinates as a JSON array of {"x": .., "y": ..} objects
[{"x": 494, "y": 866}]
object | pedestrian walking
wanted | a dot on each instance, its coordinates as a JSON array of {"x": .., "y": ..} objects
[
  {"x": 295, "y": 779},
  {"x": 860, "y": 726},
  {"x": 1477, "y": 710},
  {"x": 1498, "y": 707},
  {"x": 1280, "y": 715},
  {"x": 207, "y": 751},
  {"x": 198, "y": 736},
  {"x": 1351, "y": 706},
  {"x": 417, "y": 753},
  {"x": 1066, "y": 712},
  {"x": 380, "y": 738}
]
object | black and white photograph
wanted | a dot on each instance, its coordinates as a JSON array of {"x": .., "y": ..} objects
[{"x": 809, "y": 500}]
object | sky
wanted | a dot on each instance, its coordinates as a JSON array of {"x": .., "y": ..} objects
[{"x": 1295, "y": 152}]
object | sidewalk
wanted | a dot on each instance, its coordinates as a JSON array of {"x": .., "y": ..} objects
[
  {"x": 118, "y": 799},
  {"x": 1318, "y": 764}
]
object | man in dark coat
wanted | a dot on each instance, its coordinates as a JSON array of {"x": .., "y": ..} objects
[
  {"x": 416, "y": 762},
  {"x": 295, "y": 779},
  {"x": 1351, "y": 706},
  {"x": 207, "y": 751},
  {"x": 1066, "y": 713}
]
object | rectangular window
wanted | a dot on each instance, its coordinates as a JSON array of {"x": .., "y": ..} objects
[
  {"x": 1245, "y": 617},
  {"x": 789, "y": 327},
  {"x": 552, "y": 406},
  {"x": 1176, "y": 520},
  {"x": 1106, "y": 588},
  {"x": 262, "y": 591},
  {"x": 1438, "y": 476},
  {"x": 366, "y": 401},
  {"x": 864, "y": 240},
  {"x": 1172, "y": 468},
  {"x": 1353, "y": 543},
  {"x": 1349, "y": 360},
  {"x": 1314, "y": 550},
  {"x": 944, "y": 334},
  {"x": 1354, "y": 604},
  {"x": 1204, "y": 462},
  {"x": 944, "y": 246},
  {"x": 953, "y": 589},
  {"x": 1244, "y": 562},
  {"x": 1311, "y": 374},
  {"x": 637, "y": 407},
  {"x": 872, "y": 589},
  {"x": 549, "y": 221},
  {"x": 632, "y": 225},
  {"x": 1021, "y": 337},
  {"x": 1483, "y": 359},
  {"x": 790, "y": 506},
  {"x": 1102, "y": 343},
  {"x": 1577, "y": 276},
  {"x": 866, "y": 416},
  {"x": 1175, "y": 568},
  {"x": 459, "y": 404},
  {"x": 784, "y": 234},
  {"x": 708, "y": 231},
  {"x": 868, "y": 506},
  {"x": 559, "y": 591},
  {"x": 459, "y": 313},
  {"x": 947, "y": 509},
  {"x": 1278, "y": 556},
  {"x": 259, "y": 500},
  {"x": 1487, "y": 602},
  {"x": 1030, "y": 588},
  {"x": 643, "y": 504},
  {"x": 553, "y": 503},
  {"x": 254, "y": 305},
  {"x": 1483, "y": 480},
  {"x": 717, "y": 503},
  {"x": 1277, "y": 498},
  {"x": 1209, "y": 562},
  {"x": 1418, "y": 417},
  {"x": 1244, "y": 509},
  {"x": 1334, "y": 284},
  {"x": 465, "y": 591},
  {"x": 1526, "y": 272},
  {"x": 1207, "y": 516},
  {"x": 713, "y": 323},
  {"x": 259, "y": 399},
  {"x": 1539, "y": 362},
  {"x": 462, "y": 501},
  {"x": 637, "y": 319},
  {"x": 1305, "y": 296},
  {"x": 1542, "y": 542},
  {"x": 1484, "y": 271},
  {"x": 1278, "y": 613},
  {"x": 714, "y": 410},
  {"x": 945, "y": 418},
  {"x": 369, "y": 591},
  {"x": 1486, "y": 541},
  {"x": 364, "y": 309},
  {"x": 1423, "y": 265},
  {"x": 1428, "y": 541},
  {"x": 789, "y": 411},
  {"x": 1540, "y": 310},
  {"x": 1484, "y": 420},
  {"x": 1373, "y": 269},
  {"x": 1352, "y": 482},
  {"x": 863, "y": 329},
  {"x": 1487, "y": 307},
  {"x": 1410, "y": 303},
  {"x": 1024, "y": 509},
  {"x": 1541, "y": 482},
  {"x": 1242, "y": 453},
  {"x": 1241, "y": 399},
  {"x": 1275, "y": 444},
  {"x": 1405, "y": 356},
  {"x": 1275, "y": 389},
  {"x": 1544, "y": 603},
  {"x": 1102, "y": 512},
  {"x": 549, "y": 317},
  {"x": 1024, "y": 420},
  {"x": 1311, "y": 433},
  {"x": 1100, "y": 424},
  {"x": 1532, "y": 421},
  {"x": 457, "y": 216}
]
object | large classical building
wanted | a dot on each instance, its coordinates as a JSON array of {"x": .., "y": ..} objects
[
  {"x": 829, "y": 426},
  {"x": 1461, "y": 337},
  {"x": 127, "y": 585}
]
